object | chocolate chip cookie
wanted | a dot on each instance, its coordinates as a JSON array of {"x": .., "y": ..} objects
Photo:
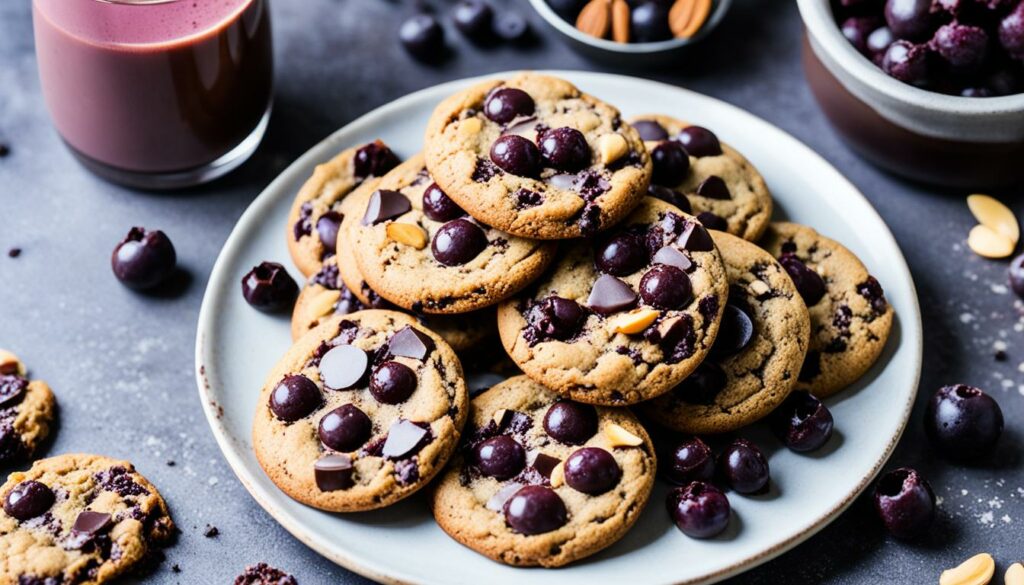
[
  {"x": 79, "y": 519},
  {"x": 757, "y": 355},
  {"x": 536, "y": 157},
  {"x": 850, "y": 318},
  {"x": 623, "y": 318},
  {"x": 419, "y": 250},
  {"x": 27, "y": 411},
  {"x": 316, "y": 212},
  {"x": 361, "y": 412},
  {"x": 721, "y": 186},
  {"x": 544, "y": 481}
]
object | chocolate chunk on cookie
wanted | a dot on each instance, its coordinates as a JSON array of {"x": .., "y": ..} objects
[
  {"x": 27, "y": 411},
  {"x": 420, "y": 251},
  {"x": 623, "y": 318},
  {"x": 757, "y": 355},
  {"x": 850, "y": 317},
  {"x": 536, "y": 157},
  {"x": 361, "y": 412},
  {"x": 79, "y": 519},
  {"x": 540, "y": 480},
  {"x": 316, "y": 213},
  {"x": 721, "y": 186}
]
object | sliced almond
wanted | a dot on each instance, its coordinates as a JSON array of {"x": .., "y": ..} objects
[
  {"x": 701, "y": 10},
  {"x": 408, "y": 234},
  {"x": 557, "y": 476},
  {"x": 323, "y": 303},
  {"x": 679, "y": 16},
  {"x": 499, "y": 417},
  {"x": 758, "y": 287},
  {"x": 977, "y": 570},
  {"x": 1014, "y": 575},
  {"x": 10, "y": 364},
  {"x": 612, "y": 147},
  {"x": 988, "y": 243},
  {"x": 634, "y": 321},
  {"x": 470, "y": 127},
  {"x": 991, "y": 213},
  {"x": 620, "y": 21},
  {"x": 595, "y": 18},
  {"x": 620, "y": 437}
]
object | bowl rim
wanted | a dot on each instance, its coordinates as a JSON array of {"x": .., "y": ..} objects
[
  {"x": 718, "y": 11},
  {"x": 820, "y": 23}
]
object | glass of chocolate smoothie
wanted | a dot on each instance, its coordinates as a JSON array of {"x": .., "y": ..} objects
[{"x": 156, "y": 94}]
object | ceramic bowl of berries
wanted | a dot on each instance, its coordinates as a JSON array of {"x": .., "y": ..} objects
[
  {"x": 642, "y": 33},
  {"x": 932, "y": 90}
]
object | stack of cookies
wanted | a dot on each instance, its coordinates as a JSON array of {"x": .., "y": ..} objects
[{"x": 629, "y": 269}]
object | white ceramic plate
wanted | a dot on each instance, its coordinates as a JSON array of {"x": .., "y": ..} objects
[{"x": 236, "y": 346}]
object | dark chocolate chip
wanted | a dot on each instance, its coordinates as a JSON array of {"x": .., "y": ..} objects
[
  {"x": 295, "y": 397},
  {"x": 735, "y": 331},
  {"x": 545, "y": 464},
  {"x": 808, "y": 282},
  {"x": 374, "y": 160},
  {"x": 345, "y": 428},
  {"x": 385, "y": 204},
  {"x": 12, "y": 389},
  {"x": 411, "y": 343},
  {"x": 343, "y": 367},
  {"x": 327, "y": 227},
  {"x": 610, "y": 295},
  {"x": 404, "y": 438},
  {"x": 714, "y": 187},
  {"x": 650, "y": 130},
  {"x": 670, "y": 256},
  {"x": 393, "y": 383},
  {"x": 87, "y": 525},
  {"x": 713, "y": 221},
  {"x": 28, "y": 499},
  {"x": 334, "y": 472},
  {"x": 695, "y": 238}
]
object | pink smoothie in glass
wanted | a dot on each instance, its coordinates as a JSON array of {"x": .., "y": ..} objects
[{"x": 154, "y": 87}]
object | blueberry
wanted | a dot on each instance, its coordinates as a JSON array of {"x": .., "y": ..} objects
[
  {"x": 511, "y": 26},
  {"x": 570, "y": 422},
  {"x": 592, "y": 470},
  {"x": 857, "y": 29},
  {"x": 28, "y": 499},
  {"x": 649, "y": 22},
  {"x": 269, "y": 288},
  {"x": 666, "y": 287},
  {"x": 803, "y": 423},
  {"x": 535, "y": 509},
  {"x": 516, "y": 155},
  {"x": 909, "y": 19},
  {"x": 650, "y": 130},
  {"x": 905, "y": 503},
  {"x": 345, "y": 428},
  {"x": 438, "y": 206},
  {"x": 621, "y": 255},
  {"x": 565, "y": 149},
  {"x": 699, "y": 141},
  {"x": 699, "y": 510},
  {"x": 294, "y": 397},
  {"x": 906, "y": 62},
  {"x": 744, "y": 468},
  {"x": 691, "y": 460},
  {"x": 670, "y": 196},
  {"x": 143, "y": 259},
  {"x": 327, "y": 228},
  {"x": 671, "y": 163},
  {"x": 1016, "y": 275},
  {"x": 555, "y": 318},
  {"x": 877, "y": 43},
  {"x": 374, "y": 160},
  {"x": 963, "y": 422},
  {"x": 473, "y": 18},
  {"x": 964, "y": 47},
  {"x": 1011, "y": 32},
  {"x": 500, "y": 457},
  {"x": 506, "y": 104},
  {"x": 393, "y": 383},
  {"x": 423, "y": 37},
  {"x": 457, "y": 242}
]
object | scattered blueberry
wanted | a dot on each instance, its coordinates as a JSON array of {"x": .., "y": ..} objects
[
  {"x": 570, "y": 422},
  {"x": 511, "y": 26},
  {"x": 621, "y": 255},
  {"x": 691, "y": 460},
  {"x": 803, "y": 423},
  {"x": 535, "y": 509},
  {"x": 516, "y": 155},
  {"x": 699, "y": 509},
  {"x": 422, "y": 36},
  {"x": 269, "y": 288},
  {"x": 506, "y": 104},
  {"x": 963, "y": 422},
  {"x": 143, "y": 259},
  {"x": 294, "y": 397},
  {"x": 500, "y": 457},
  {"x": 458, "y": 242},
  {"x": 345, "y": 428},
  {"x": 909, "y": 19},
  {"x": 592, "y": 470},
  {"x": 649, "y": 22},
  {"x": 438, "y": 206},
  {"x": 905, "y": 503},
  {"x": 393, "y": 383},
  {"x": 744, "y": 468},
  {"x": 565, "y": 149},
  {"x": 473, "y": 18}
]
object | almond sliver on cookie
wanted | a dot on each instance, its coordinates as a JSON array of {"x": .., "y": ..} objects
[{"x": 991, "y": 213}]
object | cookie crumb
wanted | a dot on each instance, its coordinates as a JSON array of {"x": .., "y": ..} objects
[
  {"x": 264, "y": 574},
  {"x": 14, "y": 252},
  {"x": 171, "y": 463},
  {"x": 175, "y": 568},
  {"x": 211, "y": 531},
  {"x": 4, "y": 150},
  {"x": 1000, "y": 355}
]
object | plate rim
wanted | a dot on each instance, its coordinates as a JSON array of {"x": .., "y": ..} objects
[{"x": 219, "y": 278}]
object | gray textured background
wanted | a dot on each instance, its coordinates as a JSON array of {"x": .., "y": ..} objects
[{"x": 121, "y": 363}]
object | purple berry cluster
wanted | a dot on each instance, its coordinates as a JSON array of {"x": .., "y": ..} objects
[{"x": 971, "y": 48}]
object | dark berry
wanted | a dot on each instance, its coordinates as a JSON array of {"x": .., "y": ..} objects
[
  {"x": 535, "y": 509},
  {"x": 143, "y": 259},
  {"x": 1016, "y": 275},
  {"x": 422, "y": 36},
  {"x": 374, "y": 160},
  {"x": 511, "y": 26},
  {"x": 473, "y": 18},
  {"x": 393, "y": 383},
  {"x": 592, "y": 470},
  {"x": 699, "y": 509},
  {"x": 906, "y": 62},
  {"x": 735, "y": 331},
  {"x": 438, "y": 206},
  {"x": 570, "y": 422},
  {"x": 556, "y": 318},
  {"x": 691, "y": 460},
  {"x": 327, "y": 228},
  {"x": 905, "y": 503},
  {"x": 803, "y": 423},
  {"x": 650, "y": 130},
  {"x": 500, "y": 457},
  {"x": 743, "y": 467},
  {"x": 28, "y": 499},
  {"x": 649, "y": 22},
  {"x": 506, "y": 104},
  {"x": 808, "y": 282},
  {"x": 621, "y": 255},
  {"x": 516, "y": 155},
  {"x": 909, "y": 19},
  {"x": 670, "y": 196},
  {"x": 964, "y": 47},
  {"x": 269, "y": 288},
  {"x": 963, "y": 423},
  {"x": 565, "y": 149},
  {"x": 458, "y": 242},
  {"x": 671, "y": 163},
  {"x": 857, "y": 29},
  {"x": 699, "y": 141},
  {"x": 345, "y": 428},
  {"x": 877, "y": 43},
  {"x": 294, "y": 397},
  {"x": 666, "y": 287},
  {"x": 1011, "y": 32}
]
